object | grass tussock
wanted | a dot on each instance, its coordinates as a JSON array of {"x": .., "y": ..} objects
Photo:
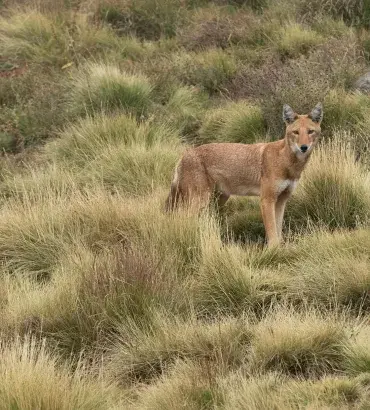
[
  {"x": 277, "y": 391},
  {"x": 185, "y": 109},
  {"x": 99, "y": 87},
  {"x": 305, "y": 346},
  {"x": 56, "y": 40},
  {"x": 235, "y": 122},
  {"x": 118, "y": 153},
  {"x": 211, "y": 70},
  {"x": 189, "y": 384},
  {"x": 341, "y": 281},
  {"x": 334, "y": 189},
  {"x": 32, "y": 377},
  {"x": 295, "y": 40},
  {"x": 107, "y": 301},
  {"x": 87, "y": 138},
  {"x": 230, "y": 282},
  {"x": 165, "y": 342}
]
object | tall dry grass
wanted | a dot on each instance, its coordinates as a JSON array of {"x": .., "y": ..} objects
[{"x": 106, "y": 301}]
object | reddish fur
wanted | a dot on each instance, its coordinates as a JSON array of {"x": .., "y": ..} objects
[{"x": 263, "y": 169}]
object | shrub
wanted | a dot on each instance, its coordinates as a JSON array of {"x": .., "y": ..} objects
[
  {"x": 23, "y": 96},
  {"x": 145, "y": 19},
  {"x": 235, "y": 122},
  {"x": 216, "y": 26},
  {"x": 99, "y": 87}
]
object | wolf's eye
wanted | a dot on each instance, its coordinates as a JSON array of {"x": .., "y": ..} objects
[
  {"x": 295, "y": 132},
  {"x": 311, "y": 131}
]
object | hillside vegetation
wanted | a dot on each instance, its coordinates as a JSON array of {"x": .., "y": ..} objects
[{"x": 109, "y": 303}]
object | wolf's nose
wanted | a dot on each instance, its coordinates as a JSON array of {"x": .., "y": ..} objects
[{"x": 304, "y": 148}]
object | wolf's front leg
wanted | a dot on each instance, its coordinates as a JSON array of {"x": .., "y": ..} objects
[{"x": 269, "y": 220}]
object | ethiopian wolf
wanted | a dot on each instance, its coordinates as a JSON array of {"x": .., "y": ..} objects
[{"x": 270, "y": 170}]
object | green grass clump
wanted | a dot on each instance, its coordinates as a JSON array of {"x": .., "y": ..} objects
[
  {"x": 341, "y": 281},
  {"x": 295, "y": 40},
  {"x": 243, "y": 220},
  {"x": 185, "y": 109},
  {"x": 119, "y": 153},
  {"x": 32, "y": 377},
  {"x": 334, "y": 189},
  {"x": 111, "y": 273},
  {"x": 188, "y": 384},
  {"x": 235, "y": 122},
  {"x": 49, "y": 39},
  {"x": 358, "y": 353},
  {"x": 135, "y": 170},
  {"x": 165, "y": 342},
  {"x": 328, "y": 26},
  {"x": 228, "y": 283},
  {"x": 87, "y": 138},
  {"x": 294, "y": 345},
  {"x": 345, "y": 110},
  {"x": 211, "y": 70},
  {"x": 277, "y": 391},
  {"x": 98, "y": 87}
]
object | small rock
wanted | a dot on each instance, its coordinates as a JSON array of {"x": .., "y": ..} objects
[{"x": 363, "y": 83}]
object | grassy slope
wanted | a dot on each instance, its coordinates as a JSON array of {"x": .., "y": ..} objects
[{"x": 106, "y": 302}]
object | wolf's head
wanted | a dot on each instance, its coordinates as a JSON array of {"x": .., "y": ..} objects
[{"x": 302, "y": 131}]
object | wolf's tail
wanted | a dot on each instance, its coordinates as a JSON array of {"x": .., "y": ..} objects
[
  {"x": 173, "y": 198},
  {"x": 175, "y": 193}
]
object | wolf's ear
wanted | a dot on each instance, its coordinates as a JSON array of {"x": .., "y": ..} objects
[
  {"x": 288, "y": 114},
  {"x": 317, "y": 113}
]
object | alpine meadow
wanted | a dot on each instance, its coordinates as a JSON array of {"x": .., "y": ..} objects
[{"x": 107, "y": 301}]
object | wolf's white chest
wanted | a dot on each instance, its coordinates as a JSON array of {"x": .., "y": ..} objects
[{"x": 286, "y": 184}]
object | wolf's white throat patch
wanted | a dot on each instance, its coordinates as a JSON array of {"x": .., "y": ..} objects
[{"x": 284, "y": 184}]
